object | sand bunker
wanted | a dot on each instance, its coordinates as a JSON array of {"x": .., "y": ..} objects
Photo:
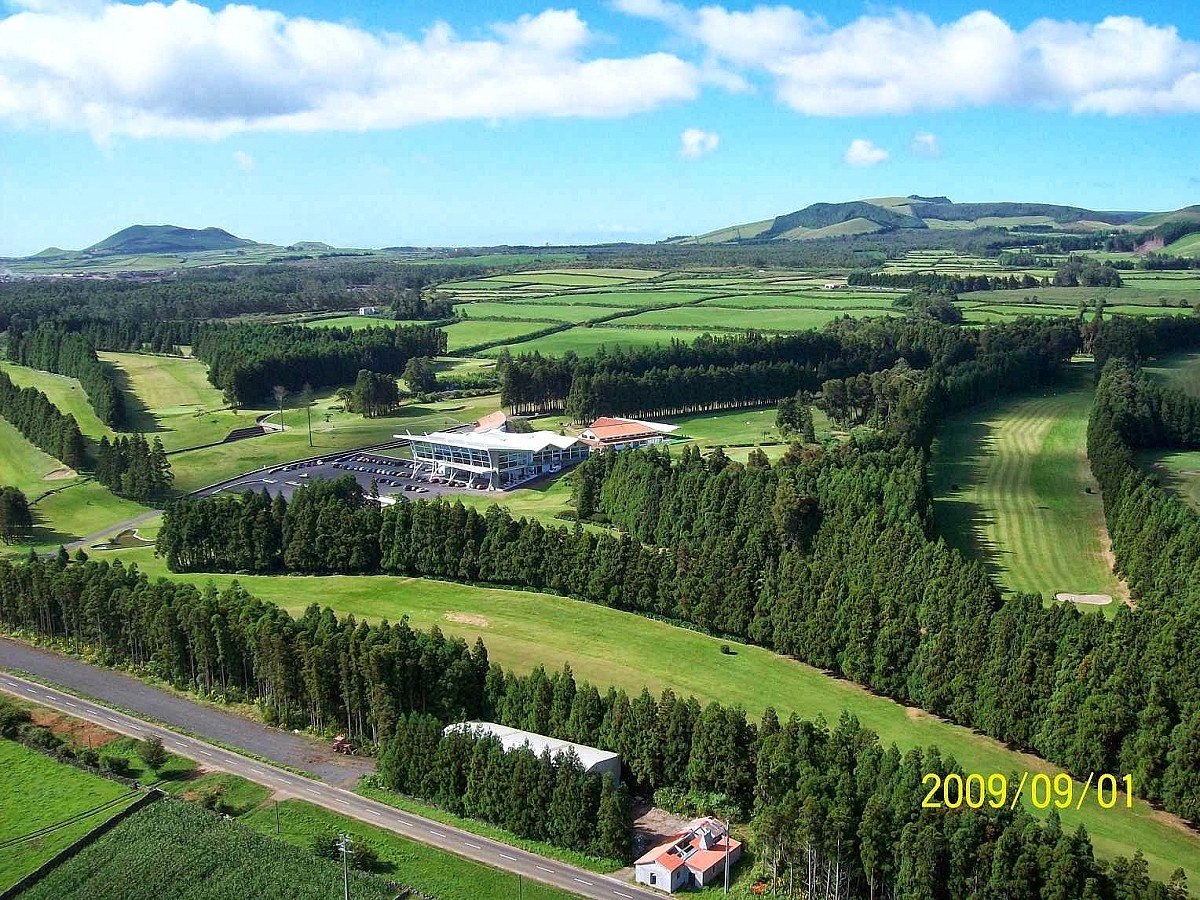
[
  {"x": 1090, "y": 599},
  {"x": 60, "y": 474},
  {"x": 468, "y": 619}
]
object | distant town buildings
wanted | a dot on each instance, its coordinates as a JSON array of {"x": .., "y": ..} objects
[{"x": 692, "y": 858}]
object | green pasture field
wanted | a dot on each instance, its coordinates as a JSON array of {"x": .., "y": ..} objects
[
  {"x": 1188, "y": 245},
  {"x": 37, "y": 791},
  {"x": 540, "y": 312},
  {"x": 1124, "y": 309},
  {"x": 65, "y": 393},
  {"x": 631, "y": 299},
  {"x": 1179, "y": 472},
  {"x": 1012, "y": 488},
  {"x": 1180, "y": 371},
  {"x": 809, "y": 300},
  {"x": 1070, "y": 297},
  {"x": 476, "y": 284},
  {"x": 353, "y": 321},
  {"x": 471, "y": 333},
  {"x": 1164, "y": 281},
  {"x": 584, "y": 340},
  {"x": 775, "y": 319},
  {"x": 524, "y": 629},
  {"x": 561, "y": 279}
]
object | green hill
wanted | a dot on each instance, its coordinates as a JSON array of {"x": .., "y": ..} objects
[
  {"x": 166, "y": 239},
  {"x": 891, "y": 214}
]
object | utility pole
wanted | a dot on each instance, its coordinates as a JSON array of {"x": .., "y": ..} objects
[
  {"x": 726, "y": 856},
  {"x": 343, "y": 844},
  {"x": 277, "y": 817}
]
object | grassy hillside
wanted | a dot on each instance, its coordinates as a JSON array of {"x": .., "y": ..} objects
[{"x": 166, "y": 239}]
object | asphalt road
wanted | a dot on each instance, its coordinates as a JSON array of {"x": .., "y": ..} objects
[{"x": 215, "y": 724}]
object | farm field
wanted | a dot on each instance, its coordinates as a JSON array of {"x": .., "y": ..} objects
[
  {"x": 1180, "y": 371},
  {"x": 472, "y": 333},
  {"x": 179, "y": 850},
  {"x": 709, "y": 316},
  {"x": 524, "y": 629},
  {"x": 584, "y": 340},
  {"x": 827, "y": 300},
  {"x": 582, "y": 278},
  {"x": 626, "y": 298},
  {"x": 1012, "y": 487},
  {"x": 353, "y": 321},
  {"x": 1179, "y": 471},
  {"x": 545, "y": 312},
  {"x": 65, "y": 393},
  {"x": 37, "y": 791}
]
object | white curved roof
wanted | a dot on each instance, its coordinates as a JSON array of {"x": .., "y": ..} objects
[
  {"x": 497, "y": 440},
  {"x": 513, "y": 738}
]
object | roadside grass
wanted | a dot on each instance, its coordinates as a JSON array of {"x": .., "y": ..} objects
[
  {"x": 65, "y": 393},
  {"x": 586, "y": 340},
  {"x": 1012, "y": 488},
  {"x": 367, "y": 788},
  {"x": 433, "y": 871},
  {"x": 37, "y": 791},
  {"x": 1180, "y": 371},
  {"x": 524, "y": 629}
]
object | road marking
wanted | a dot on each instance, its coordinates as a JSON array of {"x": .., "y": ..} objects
[
  {"x": 619, "y": 894},
  {"x": 469, "y": 844},
  {"x": 340, "y": 800},
  {"x": 438, "y": 833},
  {"x": 406, "y": 823},
  {"x": 544, "y": 869},
  {"x": 510, "y": 858},
  {"x": 206, "y": 753},
  {"x": 258, "y": 772},
  {"x": 581, "y": 881}
]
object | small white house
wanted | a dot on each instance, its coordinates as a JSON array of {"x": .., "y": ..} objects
[
  {"x": 692, "y": 858},
  {"x": 368, "y": 310}
]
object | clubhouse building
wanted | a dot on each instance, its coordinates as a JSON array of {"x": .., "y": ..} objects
[{"x": 495, "y": 460}]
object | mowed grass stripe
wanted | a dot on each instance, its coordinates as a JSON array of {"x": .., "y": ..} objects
[{"x": 1022, "y": 503}]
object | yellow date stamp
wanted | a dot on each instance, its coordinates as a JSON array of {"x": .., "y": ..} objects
[{"x": 996, "y": 790}]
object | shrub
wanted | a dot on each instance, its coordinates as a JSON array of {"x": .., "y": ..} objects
[{"x": 152, "y": 752}]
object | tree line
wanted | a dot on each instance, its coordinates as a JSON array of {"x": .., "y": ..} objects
[
  {"x": 830, "y": 804},
  {"x": 746, "y": 369},
  {"x": 42, "y": 423},
  {"x": 16, "y": 518},
  {"x": 246, "y": 361},
  {"x": 67, "y": 353},
  {"x": 131, "y": 467}
]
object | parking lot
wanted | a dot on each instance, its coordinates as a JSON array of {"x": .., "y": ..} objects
[{"x": 392, "y": 475}]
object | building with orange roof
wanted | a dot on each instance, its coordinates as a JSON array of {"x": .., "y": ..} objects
[
  {"x": 614, "y": 433},
  {"x": 691, "y": 858}
]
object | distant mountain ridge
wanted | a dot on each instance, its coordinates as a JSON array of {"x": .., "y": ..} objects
[
  {"x": 889, "y": 214},
  {"x": 166, "y": 239}
]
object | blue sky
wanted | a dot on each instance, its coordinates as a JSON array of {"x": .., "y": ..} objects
[{"x": 517, "y": 122}]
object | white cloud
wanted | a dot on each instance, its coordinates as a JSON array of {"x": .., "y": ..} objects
[
  {"x": 863, "y": 153},
  {"x": 903, "y": 61},
  {"x": 244, "y": 160},
  {"x": 926, "y": 144},
  {"x": 184, "y": 70},
  {"x": 695, "y": 142}
]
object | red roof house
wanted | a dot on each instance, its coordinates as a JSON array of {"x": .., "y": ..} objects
[{"x": 692, "y": 858}]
